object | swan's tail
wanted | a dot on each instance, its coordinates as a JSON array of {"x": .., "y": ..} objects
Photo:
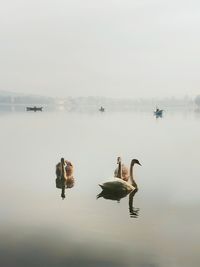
[
  {"x": 102, "y": 187},
  {"x": 99, "y": 195}
]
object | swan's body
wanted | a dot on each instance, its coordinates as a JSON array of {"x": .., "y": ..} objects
[
  {"x": 118, "y": 184},
  {"x": 68, "y": 169},
  {"x": 64, "y": 173},
  {"x": 125, "y": 174}
]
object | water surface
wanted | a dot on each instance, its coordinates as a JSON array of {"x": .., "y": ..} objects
[{"x": 38, "y": 228}]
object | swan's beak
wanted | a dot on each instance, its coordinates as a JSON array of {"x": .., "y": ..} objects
[{"x": 140, "y": 164}]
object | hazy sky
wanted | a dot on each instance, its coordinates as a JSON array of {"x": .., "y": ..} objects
[{"x": 118, "y": 48}]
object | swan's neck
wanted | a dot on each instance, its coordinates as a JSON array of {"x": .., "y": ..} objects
[
  {"x": 131, "y": 176},
  {"x": 119, "y": 174},
  {"x": 63, "y": 171},
  {"x": 63, "y": 179}
]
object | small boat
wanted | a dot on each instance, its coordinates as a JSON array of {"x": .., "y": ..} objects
[
  {"x": 102, "y": 109},
  {"x": 158, "y": 112},
  {"x": 34, "y": 108}
]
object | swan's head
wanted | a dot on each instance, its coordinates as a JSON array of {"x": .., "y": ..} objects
[
  {"x": 118, "y": 160},
  {"x": 135, "y": 161}
]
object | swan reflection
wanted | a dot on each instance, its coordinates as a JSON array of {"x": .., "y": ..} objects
[
  {"x": 65, "y": 178},
  {"x": 116, "y": 196},
  {"x": 134, "y": 212},
  {"x": 112, "y": 195}
]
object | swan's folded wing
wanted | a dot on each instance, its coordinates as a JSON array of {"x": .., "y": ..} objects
[{"x": 116, "y": 184}]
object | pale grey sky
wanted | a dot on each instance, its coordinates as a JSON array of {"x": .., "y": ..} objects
[{"x": 115, "y": 48}]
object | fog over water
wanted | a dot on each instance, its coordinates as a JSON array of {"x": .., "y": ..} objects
[
  {"x": 108, "y": 48},
  {"x": 71, "y": 57},
  {"x": 38, "y": 228}
]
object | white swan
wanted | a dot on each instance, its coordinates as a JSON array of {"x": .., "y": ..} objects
[{"x": 117, "y": 184}]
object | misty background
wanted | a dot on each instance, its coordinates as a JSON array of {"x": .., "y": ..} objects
[
  {"x": 79, "y": 55},
  {"x": 120, "y": 49}
]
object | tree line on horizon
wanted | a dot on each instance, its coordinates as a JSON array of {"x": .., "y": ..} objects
[{"x": 91, "y": 100}]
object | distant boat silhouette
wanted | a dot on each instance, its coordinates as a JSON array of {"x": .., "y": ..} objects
[
  {"x": 158, "y": 112},
  {"x": 34, "y": 108},
  {"x": 102, "y": 109}
]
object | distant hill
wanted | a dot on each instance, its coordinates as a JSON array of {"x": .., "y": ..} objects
[
  {"x": 9, "y": 97},
  {"x": 10, "y": 93},
  {"x": 91, "y": 102}
]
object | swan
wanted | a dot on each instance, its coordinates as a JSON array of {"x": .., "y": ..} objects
[
  {"x": 64, "y": 173},
  {"x": 68, "y": 166},
  {"x": 125, "y": 171},
  {"x": 119, "y": 185}
]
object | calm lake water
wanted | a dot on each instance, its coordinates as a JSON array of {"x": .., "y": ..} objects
[{"x": 159, "y": 229}]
